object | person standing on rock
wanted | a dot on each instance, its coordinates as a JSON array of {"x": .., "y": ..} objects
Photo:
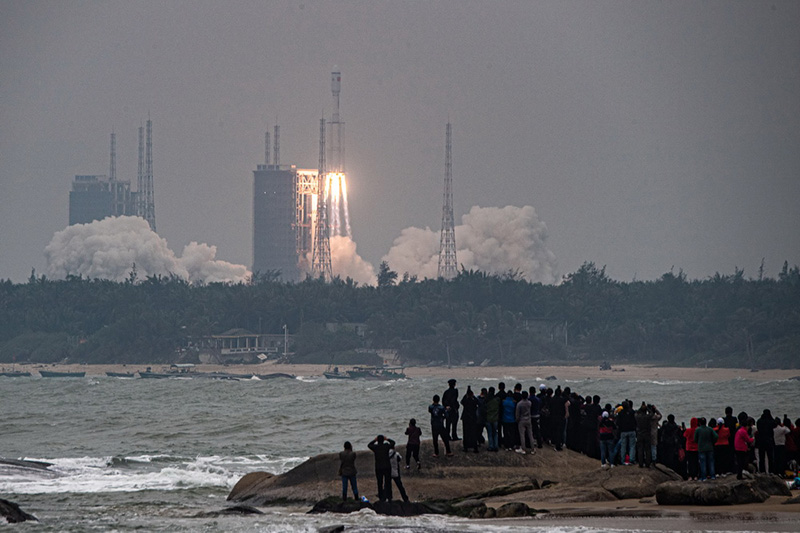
[
  {"x": 765, "y": 441},
  {"x": 559, "y": 406},
  {"x": 509, "y": 422},
  {"x": 705, "y": 438},
  {"x": 643, "y": 417},
  {"x": 450, "y": 402},
  {"x": 742, "y": 443},
  {"x": 493, "y": 404},
  {"x": 394, "y": 461},
  {"x": 469, "y": 421},
  {"x": 347, "y": 470},
  {"x": 605, "y": 434},
  {"x": 626, "y": 423},
  {"x": 380, "y": 446},
  {"x": 438, "y": 429},
  {"x": 691, "y": 450},
  {"x": 412, "y": 446},
  {"x": 523, "y": 415}
]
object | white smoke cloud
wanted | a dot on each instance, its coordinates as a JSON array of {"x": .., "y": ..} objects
[
  {"x": 491, "y": 239},
  {"x": 109, "y": 248},
  {"x": 346, "y": 263}
]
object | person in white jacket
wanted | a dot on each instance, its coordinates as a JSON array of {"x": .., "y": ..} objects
[{"x": 395, "y": 459}]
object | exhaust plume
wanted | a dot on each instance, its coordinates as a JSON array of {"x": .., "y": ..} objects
[
  {"x": 109, "y": 248},
  {"x": 491, "y": 239}
]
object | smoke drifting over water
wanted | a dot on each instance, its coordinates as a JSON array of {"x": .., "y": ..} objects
[
  {"x": 491, "y": 239},
  {"x": 109, "y": 248}
]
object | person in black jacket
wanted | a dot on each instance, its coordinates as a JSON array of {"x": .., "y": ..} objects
[
  {"x": 380, "y": 446},
  {"x": 765, "y": 441},
  {"x": 450, "y": 402}
]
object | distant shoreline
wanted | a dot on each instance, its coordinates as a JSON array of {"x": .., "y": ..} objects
[{"x": 526, "y": 373}]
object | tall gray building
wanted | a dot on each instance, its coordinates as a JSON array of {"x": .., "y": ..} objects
[
  {"x": 97, "y": 197},
  {"x": 274, "y": 239}
]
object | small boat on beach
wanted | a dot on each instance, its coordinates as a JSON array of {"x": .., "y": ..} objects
[
  {"x": 52, "y": 374},
  {"x": 121, "y": 374},
  {"x": 15, "y": 374}
]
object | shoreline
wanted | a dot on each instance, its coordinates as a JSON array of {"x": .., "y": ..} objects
[{"x": 537, "y": 373}]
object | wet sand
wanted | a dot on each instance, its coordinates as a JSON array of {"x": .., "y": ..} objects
[{"x": 635, "y": 372}]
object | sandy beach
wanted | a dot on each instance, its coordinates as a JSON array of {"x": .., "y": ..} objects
[{"x": 643, "y": 372}]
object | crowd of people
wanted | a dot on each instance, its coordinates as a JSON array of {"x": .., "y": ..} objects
[{"x": 521, "y": 421}]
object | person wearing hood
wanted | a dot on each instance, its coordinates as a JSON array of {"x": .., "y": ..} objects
[
  {"x": 670, "y": 443},
  {"x": 691, "y": 450},
  {"x": 765, "y": 442},
  {"x": 469, "y": 421},
  {"x": 605, "y": 435}
]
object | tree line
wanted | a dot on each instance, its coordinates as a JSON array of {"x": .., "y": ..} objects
[{"x": 724, "y": 320}]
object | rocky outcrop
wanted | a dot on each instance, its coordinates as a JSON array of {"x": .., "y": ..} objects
[
  {"x": 627, "y": 482},
  {"x": 597, "y": 485},
  {"x": 442, "y": 478},
  {"x": 724, "y": 491},
  {"x": 13, "y": 514},
  {"x": 248, "y": 486},
  {"x": 513, "y": 510}
]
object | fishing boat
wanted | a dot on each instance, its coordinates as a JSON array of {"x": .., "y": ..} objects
[
  {"x": 335, "y": 374},
  {"x": 121, "y": 374},
  {"x": 15, "y": 374},
  {"x": 369, "y": 373},
  {"x": 52, "y": 374}
]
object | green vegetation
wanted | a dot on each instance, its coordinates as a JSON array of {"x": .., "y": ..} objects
[{"x": 726, "y": 320}]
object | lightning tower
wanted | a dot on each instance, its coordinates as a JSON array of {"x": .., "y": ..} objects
[
  {"x": 321, "y": 252},
  {"x": 147, "y": 209},
  {"x": 448, "y": 264}
]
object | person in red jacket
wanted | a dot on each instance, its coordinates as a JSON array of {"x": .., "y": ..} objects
[
  {"x": 722, "y": 449},
  {"x": 692, "y": 461},
  {"x": 742, "y": 444}
]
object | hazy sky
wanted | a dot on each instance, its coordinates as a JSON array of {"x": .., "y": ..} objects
[{"x": 647, "y": 135}]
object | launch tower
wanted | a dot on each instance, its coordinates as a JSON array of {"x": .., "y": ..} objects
[
  {"x": 448, "y": 265},
  {"x": 321, "y": 254},
  {"x": 146, "y": 207}
]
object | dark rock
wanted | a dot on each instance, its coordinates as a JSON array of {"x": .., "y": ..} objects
[
  {"x": 513, "y": 510},
  {"x": 478, "y": 512},
  {"x": 401, "y": 508},
  {"x": 331, "y": 529},
  {"x": 490, "y": 513},
  {"x": 511, "y": 488},
  {"x": 249, "y": 485},
  {"x": 235, "y": 510},
  {"x": 625, "y": 482},
  {"x": 336, "y": 505},
  {"x": 728, "y": 491},
  {"x": 13, "y": 514},
  {"x": 796, "y": 499},
  {"x": 772, "y": 484},
  {"x": 567, "y": 494}
]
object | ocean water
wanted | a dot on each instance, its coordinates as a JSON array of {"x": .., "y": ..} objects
[{"x": 157, "y": 455}]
